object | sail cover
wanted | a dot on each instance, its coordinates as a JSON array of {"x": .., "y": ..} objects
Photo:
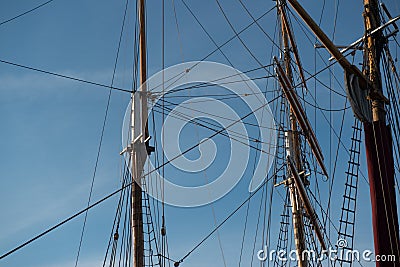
[{"x": 358, "y": 98}]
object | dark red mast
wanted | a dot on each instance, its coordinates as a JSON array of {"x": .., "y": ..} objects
[{"x": 378, "y": 143}]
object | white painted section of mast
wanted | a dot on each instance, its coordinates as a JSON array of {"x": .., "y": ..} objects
[{"x": 139, "y": 133}]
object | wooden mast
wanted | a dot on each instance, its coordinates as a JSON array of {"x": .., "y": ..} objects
[
  {"x": 378, "y": 142},
  {"x": 374, "y": 45},
  {"x": 293, "y": 147},
  {"x": 139, "y": 129},
  {"x": 143, "y": 61}
]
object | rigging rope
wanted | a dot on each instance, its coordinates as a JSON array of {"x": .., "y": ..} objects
[
  {"x": 178, "y": 31},
  {"x": 64, "y": 76},
  {"x": 102, "y": 134},
  {"x": 206, "y": 32},
  {"x": 164, "y": 244},
  {"x": 26, "y": 12}
]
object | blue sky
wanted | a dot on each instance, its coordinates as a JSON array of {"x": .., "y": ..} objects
[{"x": 50, "y": 127}]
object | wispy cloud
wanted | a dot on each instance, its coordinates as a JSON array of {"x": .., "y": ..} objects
[
  {"x": 85, "y": 263},
  {"x": 45, "y": 210},
  {"x": 34, "y": 84}
]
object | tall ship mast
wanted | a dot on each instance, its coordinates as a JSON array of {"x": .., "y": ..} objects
[{"x": 139, "y": 133}]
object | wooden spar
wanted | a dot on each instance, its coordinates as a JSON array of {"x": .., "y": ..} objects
[
  {"x": 307, "y": 204},
  {"x": 137, "y": 213},
  {"x": 378, "y": 142},
  {"x": 352, "y": 45},
  {"x": 293, "y": 43},
  {"x": 298, "y": 225},
  {"x": 317, "y": 45},
  {"x": 288, "y": 71},
  {"x": 296, "y": 205},
  {"x": 328, "y": 43},
  {"x": 293, "y": 148},
  {"x": 301, "y": 117}
]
